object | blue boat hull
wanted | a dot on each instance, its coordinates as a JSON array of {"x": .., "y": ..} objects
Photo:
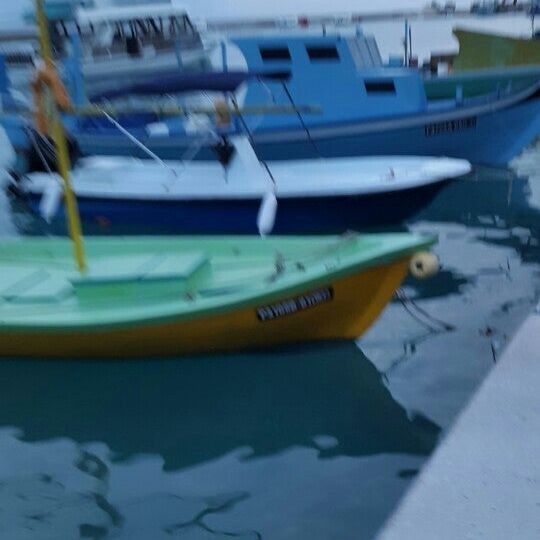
[
  {"x": 294, "y": 216},
  {"x": 490, "y": 138}
]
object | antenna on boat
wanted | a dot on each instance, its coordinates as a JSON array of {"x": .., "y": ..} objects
[
  {"x": 74, "y": 223},
  {"x": 406, "y": 44}
]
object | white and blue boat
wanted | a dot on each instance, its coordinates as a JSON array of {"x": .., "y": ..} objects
[
  {"x": 18, "y": 130},
  {"x": 368, "y": 109},
  {"x": 298, "y": 196}
]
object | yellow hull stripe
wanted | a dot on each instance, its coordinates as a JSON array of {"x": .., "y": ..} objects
[{"x": 356, "y": 303}]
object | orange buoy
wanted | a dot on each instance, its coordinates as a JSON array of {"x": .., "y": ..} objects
[
  {"x": 223, "y": 114},
  {"x": 47, "y": 76}
]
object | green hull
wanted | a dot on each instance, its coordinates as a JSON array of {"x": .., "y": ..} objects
[
  {"x": 481, "y": 81},
  {"x": 479, "y": 50},
  {"x": 161, "y": 296},
  {"x": 487, "y": 63}
]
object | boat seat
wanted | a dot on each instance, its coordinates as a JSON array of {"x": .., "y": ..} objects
[
  {"x": 13, "y": 278},
  {"x": 33, "y": 286},
  {"x": 142, "y": 268},
  {"x": 52, "y": 290},
  {"x": 178, "y": 266}
]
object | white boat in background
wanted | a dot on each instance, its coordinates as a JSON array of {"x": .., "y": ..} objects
[
  {"x": 217, "y": 197},
  {"x": 122, "y": 43},
  {"x": 133, "y": 42}
]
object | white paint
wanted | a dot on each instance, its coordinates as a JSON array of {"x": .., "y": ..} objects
[
  {"x": 484, "y": 480},
  {"x": 121, "y": 13},
  {"x": 245, "y": 178},
  {"x": 267, "y": 214},
  {"x": 50, "y": 201}
]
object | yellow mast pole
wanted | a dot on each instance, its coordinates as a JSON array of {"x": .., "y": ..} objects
[{"x": 74, "y": 222}]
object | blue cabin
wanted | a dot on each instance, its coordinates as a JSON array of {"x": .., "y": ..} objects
[{"x": 343, "y": 75}]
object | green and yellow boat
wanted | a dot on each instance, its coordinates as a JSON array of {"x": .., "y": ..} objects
[
  {"x": 147, "y": 297},
  {"x": 151, "y": 296}
]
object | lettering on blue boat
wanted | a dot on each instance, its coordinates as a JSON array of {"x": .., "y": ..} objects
[
  {"x": 294, "y": 305},
  {"x": 438, "y": 128}
]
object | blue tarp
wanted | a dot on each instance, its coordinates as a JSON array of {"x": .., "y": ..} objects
[{"x": 218, "y": 81}]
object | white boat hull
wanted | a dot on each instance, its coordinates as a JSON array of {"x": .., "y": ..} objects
[{"x": 364, "y": 191}]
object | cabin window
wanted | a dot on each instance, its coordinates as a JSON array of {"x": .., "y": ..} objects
[
  {"x": 380, "y": 87},
  {"x": 269, "y": 54},
  {"x": 316, "y": 53}
]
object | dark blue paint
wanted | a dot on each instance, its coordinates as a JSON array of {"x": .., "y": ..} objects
[{"x": 294, "y": 216}]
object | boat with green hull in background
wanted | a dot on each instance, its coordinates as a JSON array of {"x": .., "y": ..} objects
[
  {"x": 478, "y": 82},
  {"x": 483, "y": 50},
  {"x": 487, "y": 63}
]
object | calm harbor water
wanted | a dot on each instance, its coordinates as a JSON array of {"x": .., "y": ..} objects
[{"x": 309, "y": 442}]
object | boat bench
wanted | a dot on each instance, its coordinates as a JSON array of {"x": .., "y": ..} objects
[
  {"x": 145, "y": 275},
  {"x": 20, "y": 285},
  {"x": 150, "y": 275}
]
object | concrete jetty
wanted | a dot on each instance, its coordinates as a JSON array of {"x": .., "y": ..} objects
[{"x": 483, "y": 482}]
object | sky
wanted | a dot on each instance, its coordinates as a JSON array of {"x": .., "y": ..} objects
[
  {"x": 10, "y": 11},
  {"x": 427, "y": 37},
  {"x": 217, "y": 8}
]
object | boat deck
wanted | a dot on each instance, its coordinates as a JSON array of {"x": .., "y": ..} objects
[{"x": 138, "y": 279}]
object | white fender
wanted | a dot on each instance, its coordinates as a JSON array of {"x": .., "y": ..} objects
[
  {"x": 267, "y": 214},
  {"x": 50, "y": 200}
]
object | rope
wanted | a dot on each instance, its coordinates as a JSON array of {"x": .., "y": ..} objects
[
  {"x": 304, "y": 126},
  {"x": 438, "y": 324},
  {"x": 137, "y": 143},
  {"x": 38, "y": 150}
]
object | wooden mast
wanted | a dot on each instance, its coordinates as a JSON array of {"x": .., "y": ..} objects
[{"x": 57, "y": 128}]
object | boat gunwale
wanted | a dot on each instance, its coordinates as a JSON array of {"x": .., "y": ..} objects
[
  {"x": 35, "y": 186},
  {"x": 280, "y": 291},
  {"x": 323, "y": 130}
]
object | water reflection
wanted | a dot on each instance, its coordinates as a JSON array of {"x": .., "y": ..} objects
[
  {"x": 491, "y": 197},
  {"x": 75, "y": 498},
  {"x": 437, "y": 344},
  {"x": 193, "y": 410},
  {"x": 205, "y": 446}
]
